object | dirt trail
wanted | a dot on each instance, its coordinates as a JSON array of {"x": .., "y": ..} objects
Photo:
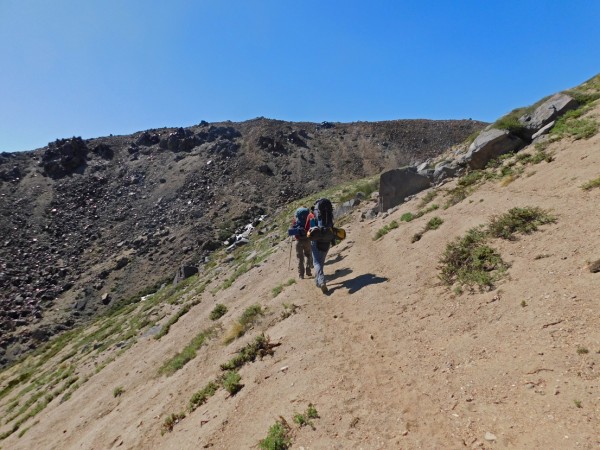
[{"x": 391, "y": 358}]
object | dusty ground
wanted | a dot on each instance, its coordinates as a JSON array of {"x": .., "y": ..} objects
[{"x": 391, "y": 358}]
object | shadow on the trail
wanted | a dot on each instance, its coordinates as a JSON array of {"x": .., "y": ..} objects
[
  {"x": 337, "y": 274},
  {"x": 337, "y": 258},
  {"x": 357, "y": 283}
]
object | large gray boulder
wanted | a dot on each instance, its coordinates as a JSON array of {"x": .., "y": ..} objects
[
  {"x": 397, "y": 184},
  {"x": 490, "y": 145},
  {"x": 550, "y": 110}
]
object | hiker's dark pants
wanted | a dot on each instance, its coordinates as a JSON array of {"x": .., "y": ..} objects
[
  {"x": 319, "y": 253},
  {"x": 302, "y": 251}
]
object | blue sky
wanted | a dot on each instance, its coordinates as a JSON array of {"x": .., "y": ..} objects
[{"x": 90, "y": 68}]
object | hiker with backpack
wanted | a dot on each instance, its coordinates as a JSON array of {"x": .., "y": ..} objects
[
  {"x": 321, "y": 238},
  {"x": 300, "y": 227}
]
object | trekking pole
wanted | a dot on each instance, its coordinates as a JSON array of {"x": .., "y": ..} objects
[{"x": 290, "y": 260}]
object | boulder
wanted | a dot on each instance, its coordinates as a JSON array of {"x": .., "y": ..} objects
[
  {"x": 446, "y": 169},
  {"x": 397, "y": 184},
  {"x": 490, "y": 145},
  {"x": 548, "y": 111},
  {"x": 183, "y": 273}
]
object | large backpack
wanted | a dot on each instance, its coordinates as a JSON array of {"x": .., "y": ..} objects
[
  {"x": 324, "y": 213},
  {"x": 298, "y": 229}
]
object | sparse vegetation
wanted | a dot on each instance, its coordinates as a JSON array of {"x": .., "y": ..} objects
[
  {"x": 288, "y": 310},
  {"x": 582, "y": 351},
  {"x": 306, "y": 418},
  {"x": 571, "y": 124},
  {"x": 187, "y": 354},
  {"x": 386, "y": 229},
  {"x": 248, "y": 318},
  {"x": 577, "y": 403},
  {"x": 523, "y": 303},
  {"x": 200, "y": 397},
  {"x": 433, "y": 224},
  {"x": 118, "y": 391},
  {"x": 591, "y": 184},
  {"x": 171, "y": 421},
  {"x": 511, "y": 122},
  {"x": 231, "y": 382},
  {"x": 279, "y": 288},
  {"x": 468, "y": 261},
  {"x": 218, "y": 311},
  {"x": 278, "y": 437},
  {"x": 184, "y": 310},
  {"x": 260, "y": 347},
  {"x": 366, "y": 187},
  {"x": 427, "y": 198},
  {"x": 519, "y": 220}
]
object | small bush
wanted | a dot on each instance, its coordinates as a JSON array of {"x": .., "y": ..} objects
[
  {"x": 386, "y": 229},
  {"x": 171, "y": 421},
  {"x": 582, "y": 351},
  {"x": 260, "y": 347},
  {"x": 407, "y": 217},
  {"x": 118, "y": 391},
  {"x": 468, "y": 261},
  {"x": 305, "y": 419},
  {"x": 231, "y": 382},
  {"x": 278, "y": 437},
  {"x": 591, "y": 184},
  {"x": 251, "y": 314},
  {"x": 218, "y": 311},
  {"x": 434, "y": 223},
  {"x": 200, "y": 397},
  {"x": 518, "y": 220}
]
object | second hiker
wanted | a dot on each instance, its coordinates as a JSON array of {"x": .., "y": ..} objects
[{"x": 301, "y": 223}]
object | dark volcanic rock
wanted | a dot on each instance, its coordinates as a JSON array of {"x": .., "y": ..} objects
[{"x": 64, "y": 156}]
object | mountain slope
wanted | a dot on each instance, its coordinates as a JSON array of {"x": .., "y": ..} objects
[
  {"x": 391, "y": 359},
  {"x": 89, "y": 223}
]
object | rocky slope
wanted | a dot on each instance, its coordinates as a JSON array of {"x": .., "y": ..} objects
[
  {"x": 392, "y": 358},
  {"x": 88, "y": 223}
]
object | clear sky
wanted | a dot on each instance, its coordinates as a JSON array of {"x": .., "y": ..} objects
[{"x": 90, "y": 68}]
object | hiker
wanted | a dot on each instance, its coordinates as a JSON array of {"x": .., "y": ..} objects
[
  {"x": 301, "y": 223},
  {"x": 322, "y": 218}
]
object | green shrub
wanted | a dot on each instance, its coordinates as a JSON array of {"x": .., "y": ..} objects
[
  {"x": 260, "y": 347},
  {"x": 518, "y": 220},
  {"x": 231, "y": 382},
  {"x": 218, "y": 311},
  {"x": 305, "y": 419},
  {"x": 434, "y": 223},
  {"x": 118, "y": 391},
  {"x": 386, "y": 229},
  {"x": 469, "y": 262},
  {"x": 407, "y": 217},
  {"x": 278, "y": 437},
  {"x": 171, "y": 421},
  {"x": 200, "y": 397},
  {"x": 251, "y": 314},
  {"x": 591, "y": 184}
]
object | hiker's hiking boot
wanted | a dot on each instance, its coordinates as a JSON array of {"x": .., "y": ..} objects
[
  {"x": 324, "y": 289},
  {"x": 308, "y": 273}
]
